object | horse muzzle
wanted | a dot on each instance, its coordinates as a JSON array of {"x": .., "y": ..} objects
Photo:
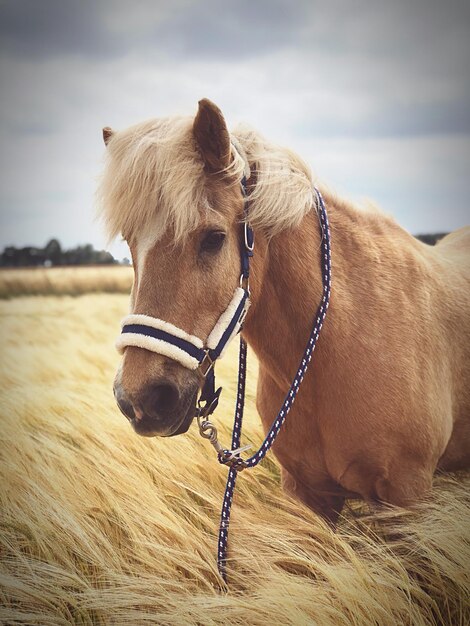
[{"x": 159, "y": 409}]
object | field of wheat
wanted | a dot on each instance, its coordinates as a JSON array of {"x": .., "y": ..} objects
[
  {"x": 71, "y": 281},
  {"x": 99, "y": 526}
]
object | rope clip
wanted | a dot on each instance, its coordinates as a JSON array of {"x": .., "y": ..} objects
[
  {"x": 231, "y": 458},
  {"x": 209, "y": 431}
]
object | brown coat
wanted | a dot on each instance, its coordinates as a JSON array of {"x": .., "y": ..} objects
[{"x": 386, "y": 400}]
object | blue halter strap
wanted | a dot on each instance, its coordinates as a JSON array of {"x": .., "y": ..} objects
[{"x": 209, "y": 397}]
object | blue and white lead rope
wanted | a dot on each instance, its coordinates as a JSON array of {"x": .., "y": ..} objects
[
  {"x": 164, "y": 338},
  {"x": 289, "y": 399}
]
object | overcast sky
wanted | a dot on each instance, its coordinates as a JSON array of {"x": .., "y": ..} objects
[{"x": 374, "y": 95}]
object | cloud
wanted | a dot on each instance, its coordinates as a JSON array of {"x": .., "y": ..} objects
[
  {"x": 107, "y": 29},
  {"x": 376, "y": 99},
  {"x": 31, "y": 29}
]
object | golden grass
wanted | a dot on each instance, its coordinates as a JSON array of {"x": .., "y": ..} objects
[
  {"x": 99, "y": 526},
  {"x": 72, "y": 281}
]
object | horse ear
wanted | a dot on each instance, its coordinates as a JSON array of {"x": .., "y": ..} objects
[
  {"x": 107, "y": 134},
  {"x": 212, "y": 136}
]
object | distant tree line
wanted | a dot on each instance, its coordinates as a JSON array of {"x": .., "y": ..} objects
[
  {"x": 431, "y": 239},
  {"x": 53, "y": 254}
]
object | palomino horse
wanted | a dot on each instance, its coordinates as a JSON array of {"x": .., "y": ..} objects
[{"x": 386, "y": 400}]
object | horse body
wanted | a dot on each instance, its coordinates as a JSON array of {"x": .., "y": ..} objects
[
  {"x": 453, "y": 253},
  {"x": 389, "y": 380},
  {"x": 386, "y": 400}
]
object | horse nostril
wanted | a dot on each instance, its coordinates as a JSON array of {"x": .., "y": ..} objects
[
  {"x": 161, "y": 399},
  {"x": 124, "y": 405}
]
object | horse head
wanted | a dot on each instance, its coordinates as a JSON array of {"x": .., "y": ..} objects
[{"x": 172, "y": 189}]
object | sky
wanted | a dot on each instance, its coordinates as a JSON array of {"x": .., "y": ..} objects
[{"x": 375, "y": 96}]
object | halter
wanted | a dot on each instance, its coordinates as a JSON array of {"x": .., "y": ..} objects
[
  {"x": 164, "y": 338},
  {"x": 156, "y": 335}
]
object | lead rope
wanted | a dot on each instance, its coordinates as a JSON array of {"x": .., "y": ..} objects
[{"x": 232, "y": 457}]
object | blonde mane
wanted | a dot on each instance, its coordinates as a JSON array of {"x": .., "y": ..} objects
[{"x": 154, "y": 179}]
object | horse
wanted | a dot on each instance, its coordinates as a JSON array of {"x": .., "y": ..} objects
[{"x": 386, "y": 401}]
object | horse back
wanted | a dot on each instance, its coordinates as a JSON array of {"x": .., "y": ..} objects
[
  {"x": 456, "y": 246},
  {"x": 454, "y": 250}
]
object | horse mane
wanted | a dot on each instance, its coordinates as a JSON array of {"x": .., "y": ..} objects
[
  {"x": 154, "y": 178},
  {"x": 284, "y": 189}
]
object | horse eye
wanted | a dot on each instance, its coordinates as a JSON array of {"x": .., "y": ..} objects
[{"x": 212, "y": 241}]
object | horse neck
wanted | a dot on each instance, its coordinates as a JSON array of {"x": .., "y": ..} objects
[
  {"x": 286, "y": 288},
  {"x": 287, "y": 285}
]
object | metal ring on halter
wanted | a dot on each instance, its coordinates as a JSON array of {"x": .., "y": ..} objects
[
  {"x": 249, "y": 246},
  {"x": 245, "y": 284},
  {"x": 206, "y": 362},
  {"x": 206, "y": 409}
]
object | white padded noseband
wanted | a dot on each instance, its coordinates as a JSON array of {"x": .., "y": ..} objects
[{"x": 156, "y": 335}]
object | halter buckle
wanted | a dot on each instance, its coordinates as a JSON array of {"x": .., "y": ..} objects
[
  {"x": 206, "y": 364},
  {"x": 245, "y": 284},
  {"x": 242, "y": 317},
  {"x": 249, "y": 237}
]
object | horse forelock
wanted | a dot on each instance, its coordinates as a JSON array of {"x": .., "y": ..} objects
[{"x": 154, "y": 180}]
